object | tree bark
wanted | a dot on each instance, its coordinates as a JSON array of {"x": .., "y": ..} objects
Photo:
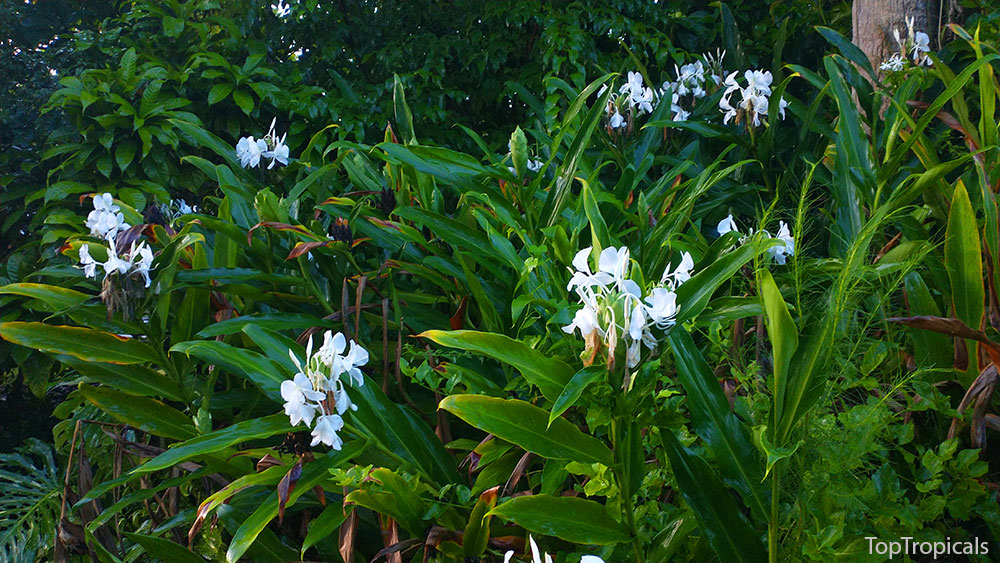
[{"x": 875, "y": 20}]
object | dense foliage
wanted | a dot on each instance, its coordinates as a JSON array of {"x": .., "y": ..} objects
[{"x": 634, "y": 281}]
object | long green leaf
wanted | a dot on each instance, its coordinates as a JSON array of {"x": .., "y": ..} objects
[
  {"x": 712, "y": 419},
  {"x": 784, "y": 340},
  {"x": 548, "y": 374},
  {"x": 721, "y": 519},
  {"x": 264, "y": 372},
  {"x": 574, "y": 388},
  {"x": 571, "y": 519},
  {"x": 527, "y": 426},
  {"x": 145, "y": 414},
  {"x": 218, "y": 441},
  {"x": 84, "y": 343},
  {"x": 964, "y": 262}
]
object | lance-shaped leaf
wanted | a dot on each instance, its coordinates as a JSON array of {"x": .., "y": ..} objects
[
  {"x": 572, "y": 519},
  {"x": 964, "y": 262},
  {"x": 218, "y": 440},
  {"x": 729, "y": 534},
  {"x": 784, "y": 340},
  {"x": 84, "y": 343},
  {"x": 548, "y": 374},
  {"x": 145, "y": 414},
  {"x": 715, "y": 423},
  {"x": 527, "y": 426}
]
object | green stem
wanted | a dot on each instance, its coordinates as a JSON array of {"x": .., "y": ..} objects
[
  {"x": 772, "y": 528},
  {"x": 625, "y": 486},
  {"x": 313, "y": 288}
]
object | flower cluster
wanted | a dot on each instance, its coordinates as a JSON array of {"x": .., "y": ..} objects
[
  {"x": 614, "y": 306},
  {"x": 536, "y": 556},
  {"x": 915, "y": 47},
  {"x": 106, "y": 219},
  {"x": 633, "y": 98},
  {"x": 250, "y": 151},
  {"x": 753, "y": 100},
  {"x": 318, "y": 387},
  {"x": 779, "y": 252},
  {"x": 138, "y": 260},
  {"x": 691, "y": 83}
]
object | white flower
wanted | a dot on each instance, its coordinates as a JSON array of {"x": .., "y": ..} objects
[
  {"x": 727, "y": 225},
  {"x": 780, "y": 252},
  {"x": 681, "y": 274},
  {"x": 106, "y": 219},
  {"x": 183, "y": 208},
  {"x": 115, "y": 264},
  {"x": 145, "y": 255},
  {"x": 759, "y": 81},
  {"x": 279, "y": 153},
  {"x": 300, "y": 389},
  {"x": 633, "y": 84},
  {"x": 534, "y": 165},
  {"x": 88, "y": 263},
  {"x": 782, "y": 104},
  {"x": 349, "y": 364},
  {"x": 326, "y": 430},
  {"x": 894, "y": 64},
  {"x": 250, "y": 151},
  {"x": 726, "y": 108},
  {"x": 333, "y": 346},
  {"x": 280, "y": 9},
  {"x": 583, "y": 277},
  {"x": 661, "y": 306},
  {"x": 300, "y": 412},
  {"x": 921, "y": 43},
  {"x": 643, "y": 99},
  {"x": 617, "y": 120},
  {"x": 585, "y": 320},
  {"x": 731, "y": 84}
]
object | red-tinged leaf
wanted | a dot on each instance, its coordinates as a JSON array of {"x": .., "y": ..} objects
[
  {"x": 84, "y": 343},
  {"x": 281, "y": 227},
  {"x": 348, "y": 532},
  {"x": 267, "y": 462},
  {"x": 458, "y": 318},
  {"x": 305, "y": 247},
  {"x": 286, "y": 486},
  {"x": 320, "y": 494},
  {"x": 951, "y": 327}
]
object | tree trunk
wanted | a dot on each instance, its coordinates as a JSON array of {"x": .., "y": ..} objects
[{"x": 875, "y": 20}]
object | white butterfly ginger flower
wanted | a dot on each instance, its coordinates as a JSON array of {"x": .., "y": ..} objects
[
  {"x": 787, "y": 248},
  {"x": 297, "y": 393},
  {"x": 727, "y": 225},
  {"x": 88, "y": 264},
  {"x": 106, "y": 219},
  {"x": 326, "y": 430},
  {"x": 681, "y": 274},
  {"x": 249, "y": 151}
]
